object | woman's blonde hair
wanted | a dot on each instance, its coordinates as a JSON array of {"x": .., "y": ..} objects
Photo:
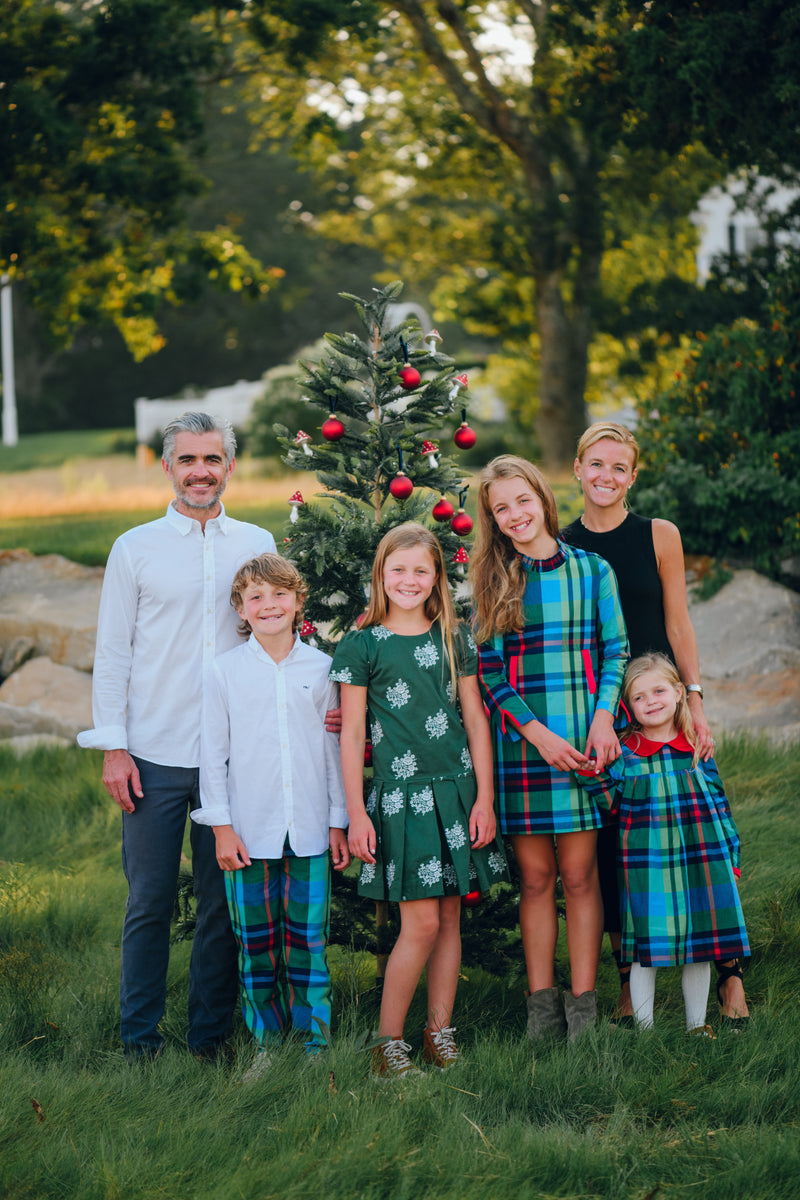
[
  {"x": 438, "y": 606},
  {"x": 666, "y": 668},
  {"x": 496, "y": 570},
  {"x": 274, "y": 570},
  {"x": 611, "y": 430}
]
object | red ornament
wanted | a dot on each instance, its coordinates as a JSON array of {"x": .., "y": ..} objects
[
  {"x": 461, "y": 523},
  {"x": 464, "y": 437},
  {"x": 332, "y": 429},
  {"x": 401, "y": 486},
  {"x": 471, "y": 900},
  {"x": 409, "y": 377},
  {"x": 442, "y": 510},
  {"x": 368, "y": 754}
]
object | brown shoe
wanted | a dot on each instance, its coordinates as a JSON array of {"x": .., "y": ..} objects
[
  {"x": 439, "y": 1047},
  {"x": 391, "y": 1058}
]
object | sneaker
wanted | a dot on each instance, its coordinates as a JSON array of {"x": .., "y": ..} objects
[
  {"x": 702, "y": 1031},
  {"x": 260, "y": 1065},
  {"x": 439, "y": 1047},
  {"x": 391, "y": 1058}
]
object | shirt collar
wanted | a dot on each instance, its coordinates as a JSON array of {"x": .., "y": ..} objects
[
  {"x": 645, "y": 748},
  {"x": 255, "y": 646},
  {"x": 184, "y": 525}
]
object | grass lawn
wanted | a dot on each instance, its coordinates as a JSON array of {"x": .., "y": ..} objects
[
  {"x": 87, "y": 537},
  {"x": 54, "y": 449},
  {"x": 654, "y": 1116}
]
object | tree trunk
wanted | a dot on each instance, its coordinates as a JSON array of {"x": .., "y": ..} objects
[{"x": 564, "y": 340}]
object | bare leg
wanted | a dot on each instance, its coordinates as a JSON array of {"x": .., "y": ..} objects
[
  {"x": 577, "y": 862},
  {"x": 731, "y": 994},
  {"x": 419, "y": 929},
  {"x": 441, "y": 969},
  {"x": 623, "y": 1006},
  {"x": 538, "y": 920}
]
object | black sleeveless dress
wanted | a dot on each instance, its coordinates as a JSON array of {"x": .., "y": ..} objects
[{"x": 630, "y": 552}]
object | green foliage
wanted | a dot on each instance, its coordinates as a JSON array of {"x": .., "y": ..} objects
[
  {"x": 722, "y": 445},
  {"x": 336, "y": 535},
  {"x": 280, "y": 403},
  {"x": 689, "y": 66},
  {"x": 102, "y": 107}
]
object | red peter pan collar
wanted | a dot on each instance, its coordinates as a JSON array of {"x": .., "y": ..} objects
[{"x": 644, "y": 747}]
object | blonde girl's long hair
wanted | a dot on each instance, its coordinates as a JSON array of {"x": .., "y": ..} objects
[
  {"x": 496, "y": 570},
  {"x": 665, "y": 667},
  {"x": 439, "y": 608}
]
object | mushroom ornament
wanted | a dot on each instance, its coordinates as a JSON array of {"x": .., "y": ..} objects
[
  {"x": 460, "y": 558},
  {"x": 307, "y": 630},
  {"x": 303, "y": 439},
  {"x": 431, "y": 449},
  {"x": 295, "y": 501}
]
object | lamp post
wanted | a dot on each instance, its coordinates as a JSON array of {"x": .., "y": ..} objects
[{"x": 10, "y": 434}]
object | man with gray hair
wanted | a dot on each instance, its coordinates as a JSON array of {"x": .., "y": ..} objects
[{"x": 164, "y": 615}]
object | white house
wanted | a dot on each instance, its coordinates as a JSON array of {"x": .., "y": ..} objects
[{"x": 724, "y": 228}]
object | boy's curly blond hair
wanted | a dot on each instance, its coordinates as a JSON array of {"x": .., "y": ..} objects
[{"x": 272, "y": 569}]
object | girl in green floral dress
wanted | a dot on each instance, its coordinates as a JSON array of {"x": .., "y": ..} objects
[{"x": 426, "y": 835}]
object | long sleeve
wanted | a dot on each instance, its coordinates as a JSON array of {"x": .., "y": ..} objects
[
  {"x": 215, "y": 746},
  {"x": 612, "y": 638},
  {"x": 507, "y": 710},
  {"x": 116, "y": 624}
]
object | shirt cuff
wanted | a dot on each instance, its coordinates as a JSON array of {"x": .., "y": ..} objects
[
  {"x": 338, "y": 818},
  {"x": 106, "y": 737},
  {"x": 211, "y": 815}
]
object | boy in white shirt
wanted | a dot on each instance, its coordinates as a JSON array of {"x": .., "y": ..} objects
[{"x": 271, "y": 788}]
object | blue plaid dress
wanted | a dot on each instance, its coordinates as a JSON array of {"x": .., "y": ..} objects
[
  {"x": 568, "y": 661},
  {"x": 678, "y": 856}
]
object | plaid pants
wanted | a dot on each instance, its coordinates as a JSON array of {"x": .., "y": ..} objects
[{"x": 280, "y": 913}]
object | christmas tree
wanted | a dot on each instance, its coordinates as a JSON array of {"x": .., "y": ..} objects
[{"x": 388, "y": 399}]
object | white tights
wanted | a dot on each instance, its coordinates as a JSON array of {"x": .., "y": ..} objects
[{"x": 695, "y": 982}]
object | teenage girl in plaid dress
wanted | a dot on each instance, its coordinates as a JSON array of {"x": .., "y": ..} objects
[
  {"x": 552, "y": 648},
  {"x": 678, "y": 845}
]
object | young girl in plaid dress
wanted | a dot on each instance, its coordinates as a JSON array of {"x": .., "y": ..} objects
[
  {"x": 552, "y": 647},
  {"x": 426, "y": 834},
  {"x": 678, "y": 845}
]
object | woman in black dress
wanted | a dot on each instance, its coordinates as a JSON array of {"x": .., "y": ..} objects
[{"x": 647, "y": 557}]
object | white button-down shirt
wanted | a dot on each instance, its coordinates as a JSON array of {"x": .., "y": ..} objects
[
  {"x": 267, "y": 765},
  {"x": 165, "y": 614}
]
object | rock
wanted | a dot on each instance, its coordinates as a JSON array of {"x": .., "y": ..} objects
[
  {"x": 748, "y": 636},
  {"x": 44, "y": 697},
  {"x": 51, "y": 602},
  {"x": 13, "y": 656}
]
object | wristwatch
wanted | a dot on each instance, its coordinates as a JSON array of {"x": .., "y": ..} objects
[{"x": 695, "y": 687}]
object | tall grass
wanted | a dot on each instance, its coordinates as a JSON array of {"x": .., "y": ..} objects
[{"x": 619, "y": 1115}]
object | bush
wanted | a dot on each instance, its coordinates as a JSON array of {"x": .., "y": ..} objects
[
  {"x": 282, "y": 403},
  {"x": 722, "y": 445}
]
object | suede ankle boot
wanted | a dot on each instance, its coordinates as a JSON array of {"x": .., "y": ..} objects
[
  {"x": 581, "y": 1012},
  {"x": 545, "y": 1015}
]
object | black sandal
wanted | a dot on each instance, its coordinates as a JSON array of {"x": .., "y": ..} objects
[
  {"x": 727, "y": 971},
  {"x": 622, "y": 1020}
]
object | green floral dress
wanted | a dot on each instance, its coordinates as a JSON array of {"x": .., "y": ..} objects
[{"x": 424, "y": 784}]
